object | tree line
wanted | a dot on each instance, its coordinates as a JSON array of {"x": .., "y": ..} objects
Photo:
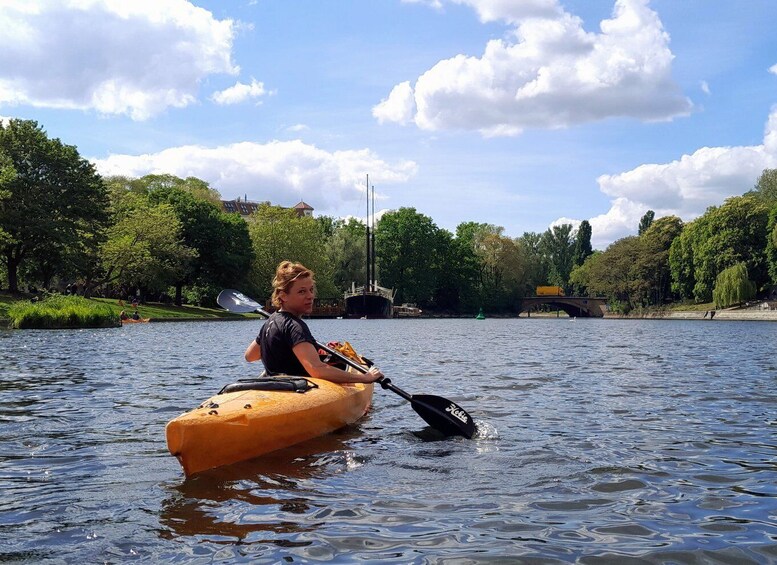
[{"x": 61, "y": 222}]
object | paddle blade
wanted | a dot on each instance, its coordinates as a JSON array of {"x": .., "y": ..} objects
[
  {"x": 443, "y": 415},
  {"x": 236, "y": 301}
]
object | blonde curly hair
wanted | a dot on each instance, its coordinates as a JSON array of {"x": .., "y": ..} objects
[{"x": 285, "y": 275}]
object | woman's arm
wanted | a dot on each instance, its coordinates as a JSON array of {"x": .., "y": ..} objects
[
  {"x": 308, "y": 356},
  {"x": 253, "y": 352}
]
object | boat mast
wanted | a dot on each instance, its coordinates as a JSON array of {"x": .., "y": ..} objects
[
  {"x": 373, "y": 276},
  {"x": 367, "y": 284}
]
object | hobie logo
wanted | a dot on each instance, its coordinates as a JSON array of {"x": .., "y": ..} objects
[{"x": 457, "y": 412}]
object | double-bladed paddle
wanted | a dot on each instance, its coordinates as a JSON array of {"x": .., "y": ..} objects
[{"x": 442, "y": 414}]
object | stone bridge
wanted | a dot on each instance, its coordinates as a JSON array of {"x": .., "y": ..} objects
[{"x": 574, "y": 306}]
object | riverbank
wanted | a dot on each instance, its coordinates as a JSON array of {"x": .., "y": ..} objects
[
  {"x": 155, "y": 312},
  {"x": 749, "y": 314}
]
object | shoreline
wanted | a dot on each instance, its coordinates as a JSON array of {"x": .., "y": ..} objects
[{"x": 723, "y": 315}]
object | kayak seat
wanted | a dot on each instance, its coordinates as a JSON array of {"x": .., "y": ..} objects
[{"x": 291, "y": 384}]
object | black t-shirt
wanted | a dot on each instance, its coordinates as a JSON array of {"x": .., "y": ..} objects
[{"x": 279, "y": 334}]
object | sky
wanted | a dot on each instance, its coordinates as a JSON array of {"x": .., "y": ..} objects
[{"x": 518, "y": 113}]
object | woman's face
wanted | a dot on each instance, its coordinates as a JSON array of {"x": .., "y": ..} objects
[{"x": 299, "y": 299}]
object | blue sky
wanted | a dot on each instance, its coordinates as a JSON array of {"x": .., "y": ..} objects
[{"x": 518, "y": 113}]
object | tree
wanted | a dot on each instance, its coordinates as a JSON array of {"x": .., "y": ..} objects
[
  {"x": 537, "y": 264},
  {"x": 221, "y": 240},
  {"x": 558, "y": 246},
  {"x": 346, "y": 250},
  {"x": 582, "y": 243},
  {"x": 57, "y": 202},
  {"x": 613, "y": 274},
  {"x": 766, "y": 187},
  {"x": 278, "y": 234},
  {"x": 771, "y": 244},
  {"x": 144, "y": 245},
  {"x": 580, "y": 277},
  {"x": 732, "y": 286},
  {"x": 406, "y": 248},
  {"x": 653, "y": 259},
  {"x": 721, "y": 238},
  {"x": 646, "y": 221}
]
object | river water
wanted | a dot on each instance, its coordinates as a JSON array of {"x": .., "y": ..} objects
[{"x": 620, "y": 441}]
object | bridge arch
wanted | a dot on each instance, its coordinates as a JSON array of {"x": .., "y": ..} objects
[{"x": 574, "y": 306}]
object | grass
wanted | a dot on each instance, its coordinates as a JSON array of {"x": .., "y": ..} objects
[
  {"x": 60, "y": 311},
  {"x": 57, "y": 311},
  {"x": 158, "y": 311},
  {"x": 692, "y": 307}
]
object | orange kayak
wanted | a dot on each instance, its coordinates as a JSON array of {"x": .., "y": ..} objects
[{"x": 242, "y": 423}]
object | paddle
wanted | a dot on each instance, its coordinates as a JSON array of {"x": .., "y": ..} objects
[{"x": 443, "y": 415}]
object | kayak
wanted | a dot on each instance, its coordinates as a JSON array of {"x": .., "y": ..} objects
[
  {"x": 138, "y": 321},
  {"x": 253, "y": 417}
]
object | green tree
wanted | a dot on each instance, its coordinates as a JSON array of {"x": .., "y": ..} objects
[
  {"x": 771, "y": 245},
  {"x": 57, "y": 203},
  {"x": 766, "y": 187},
  {"x": 221, "y": 241},
  {"x": 652, "y": 266},
  {"x": 346, "y": 250},
  {"x": 580, "y": 276},
  {"x": 582, "y": 243},
  {"x": 278, "y": 234},
  {"x": 646, "y": 221},
  {"x": 144, "y": 245},
  {"x": 406, "y": 244},
  {"x": 732, "y": 286},
  {"x": 613, "y": 273},
  {"x": 558, "y": 246},
  {"x": 722, "y": 237},
  {"x": 537, "y": 264}
]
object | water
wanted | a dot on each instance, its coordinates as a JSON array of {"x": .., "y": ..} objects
[{"x": 599, "y": 441}]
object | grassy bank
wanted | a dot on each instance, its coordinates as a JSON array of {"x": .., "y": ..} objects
[
  {"x": 75, "y": 311},
  {"x": 157, "y": 311},
  {"x": 57, "y": 312}
]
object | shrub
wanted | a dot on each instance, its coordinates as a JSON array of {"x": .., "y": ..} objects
[{"x": 57, "y": 311}]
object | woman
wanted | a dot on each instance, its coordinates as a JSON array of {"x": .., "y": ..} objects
[{"x": 285, "y": 344}]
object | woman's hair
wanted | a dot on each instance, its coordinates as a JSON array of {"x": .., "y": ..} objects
[{"x": 285, "y": 275}]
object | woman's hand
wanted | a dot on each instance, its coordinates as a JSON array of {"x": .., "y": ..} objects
[{"x": 373, "y": 374}]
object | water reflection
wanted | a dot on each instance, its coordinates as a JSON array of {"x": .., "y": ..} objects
[{"x": 259, "y": 493}]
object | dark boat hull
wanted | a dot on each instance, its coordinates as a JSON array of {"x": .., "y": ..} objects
[{"x": 368, "y": 306}]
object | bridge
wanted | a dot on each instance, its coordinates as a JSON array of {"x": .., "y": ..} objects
[{"x": 574, "y": 306}]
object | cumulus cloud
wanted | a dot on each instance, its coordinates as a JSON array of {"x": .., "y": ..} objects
[
  {"x": 122, "y": 58},
  {"x": 684, "y": 187},
  {"x": 549, "y": 73},
  {"x": 239, "y": 93},
  {"x": 282, "y": 172}
]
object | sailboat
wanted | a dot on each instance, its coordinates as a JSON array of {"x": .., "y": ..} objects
[{"x": 370, "y": 300}]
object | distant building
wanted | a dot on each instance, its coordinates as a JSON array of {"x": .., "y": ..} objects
[
  {"x": 303, "y": 209},
  {"x": 245, "y": 208}
]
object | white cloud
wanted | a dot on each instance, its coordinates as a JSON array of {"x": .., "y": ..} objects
[
  {"x": 685, "y": 187},
  {"x": 279, "y": 171},
  {"x": 398, "y": 107},
  {"x": 239, "y": 93},
  {"x": 136, "y": 58},
  {"x": 773, "y": 69},
  {"x": 552, "y": 74},
  {"x": 296, "y": 128}
]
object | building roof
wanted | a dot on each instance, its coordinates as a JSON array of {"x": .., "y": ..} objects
[{"x": 303, "y": 206}]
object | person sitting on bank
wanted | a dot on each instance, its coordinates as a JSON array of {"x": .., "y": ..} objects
[{"x": 285, "y": 344}]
